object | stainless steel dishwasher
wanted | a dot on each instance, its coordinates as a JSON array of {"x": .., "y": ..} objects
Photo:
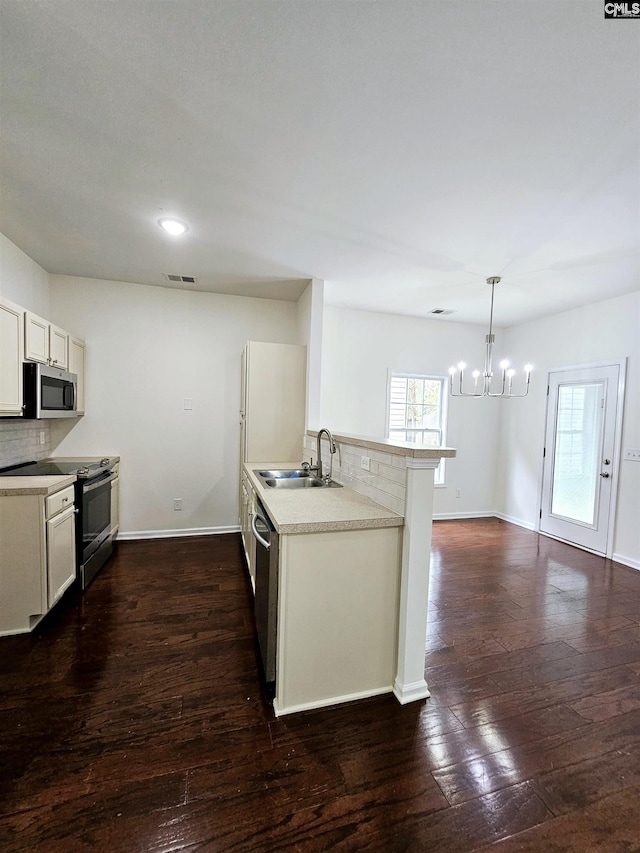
[{"x": 266, "y": 596}]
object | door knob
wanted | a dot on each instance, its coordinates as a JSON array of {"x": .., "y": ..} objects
[{"x": 605, "y": 474}]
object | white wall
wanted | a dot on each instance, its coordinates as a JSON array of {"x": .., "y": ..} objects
[
  {"x": 594, "y": 333},
  {"x": 22, "y": 280},
  {"x": 149, "y": 348},
  {"x": 358, "y": 350}
]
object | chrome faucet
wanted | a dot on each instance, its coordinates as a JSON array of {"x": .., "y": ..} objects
[
  {"x": 318, "y": 466},
  {"x": 332, "y": 450}
]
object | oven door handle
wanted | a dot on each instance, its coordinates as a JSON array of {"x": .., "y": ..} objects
[
  {"x": 264, "y": 542},
  {"x": 101, "y": 482}
]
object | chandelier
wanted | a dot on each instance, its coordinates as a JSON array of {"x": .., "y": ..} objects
[{"x": 488, "y": 387}]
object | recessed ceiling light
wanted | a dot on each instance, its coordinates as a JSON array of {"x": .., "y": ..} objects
[{"x": 173, "y": 226}]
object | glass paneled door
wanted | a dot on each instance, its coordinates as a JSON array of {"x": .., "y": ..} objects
[{"x": 579, "y": 455}]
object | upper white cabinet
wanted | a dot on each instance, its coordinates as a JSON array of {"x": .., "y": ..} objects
[
  {"x": 26, "y": 337},
  {"x": 11, "y": 356},
  {"x": 77, "y": 364},
  {"x": 58, "y": 347},
  {"x": 45, "y": 342}
]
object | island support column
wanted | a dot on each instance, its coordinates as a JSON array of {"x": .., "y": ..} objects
[{"x": 410, "y": 683}]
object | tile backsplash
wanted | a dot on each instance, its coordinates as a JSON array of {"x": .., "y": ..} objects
[
  {"x": 385, "y": 482},
  {"x": 20, "y": 440}
]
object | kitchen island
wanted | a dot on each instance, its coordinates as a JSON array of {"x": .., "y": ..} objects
[
  {"x": 388, "y": 486},
  {"x": 338, "y": 593}
]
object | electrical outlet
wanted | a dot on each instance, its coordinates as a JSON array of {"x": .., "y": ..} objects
[
  {"x": 42, "y": 436},
  {"x": 177, "y": 504},
  {"x": 365, "y": 463},
  {"x": 457, "y": 493}
]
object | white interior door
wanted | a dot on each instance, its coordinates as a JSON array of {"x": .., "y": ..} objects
[{"x": 579, "y": 463}]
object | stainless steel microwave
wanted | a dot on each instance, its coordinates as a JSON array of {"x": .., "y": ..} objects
[{"x": 49, "y": 392}]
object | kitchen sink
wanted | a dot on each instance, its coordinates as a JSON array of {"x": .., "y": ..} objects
[{"x": 296, "y": 478}]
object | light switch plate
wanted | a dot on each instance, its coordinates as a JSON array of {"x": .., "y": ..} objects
[{"x": 188, "y": 403}]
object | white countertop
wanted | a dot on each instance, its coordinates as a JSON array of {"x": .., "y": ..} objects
[
  {"x": 35, "y": 485},
  {"x": 317, "y": 510}
]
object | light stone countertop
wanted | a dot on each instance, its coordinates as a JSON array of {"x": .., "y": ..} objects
[
  {"x": 317, "y": 510},
  {"x": 35, "y": 485}
]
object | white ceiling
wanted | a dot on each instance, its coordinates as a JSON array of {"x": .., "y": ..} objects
[{"x": 400, "y": 150}]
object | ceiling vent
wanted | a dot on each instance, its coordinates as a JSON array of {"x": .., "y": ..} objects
[
  {"x": 441, "y": 311},
  {"x": 183, "y": 279}
]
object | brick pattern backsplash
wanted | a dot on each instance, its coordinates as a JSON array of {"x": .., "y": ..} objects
[
  {"x": 385, "y": 482},
  {"x": 20, "y": 441}
]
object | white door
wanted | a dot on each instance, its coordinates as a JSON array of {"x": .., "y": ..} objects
[{"x": 579, "y": 463}]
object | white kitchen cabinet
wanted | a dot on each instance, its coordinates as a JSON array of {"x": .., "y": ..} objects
[
  {"x": 115, "y": 501},
  {"x": 37, "y": 557},
  {"x": 61, "y": 553},
  {"x": 273, "y": 401},
  {"x": 272, "y": 416},
  {"x": 77, "y": 365},
  {"x": 338, "y": 602},
  {"x": 247, "y": 509},
  {"x": 45, "y": 342},
  {"x": 11, "y": 356}
]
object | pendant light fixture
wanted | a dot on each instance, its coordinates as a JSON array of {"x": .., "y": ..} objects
[{"x": 488, "y": 388}]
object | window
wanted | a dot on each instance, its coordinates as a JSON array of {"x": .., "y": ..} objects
[{"x": 418, "y": 411}]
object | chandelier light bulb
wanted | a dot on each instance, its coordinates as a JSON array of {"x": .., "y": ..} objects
[
  {"x": 528, "y": 368},
  {"x": 504, "y": 363},
  {"x": 475, "y": 374},
  {"x": 511, "y": 373},
  {"x": 452, "y": 371},
  {"x": 461, "y": 365}
]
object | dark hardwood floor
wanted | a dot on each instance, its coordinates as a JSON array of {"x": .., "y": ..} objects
[{"x": 133, "y": 718}]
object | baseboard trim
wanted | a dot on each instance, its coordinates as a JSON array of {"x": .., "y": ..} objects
[
  {"x": 171, "y": 534},
  {"x": 528, "y": 525},
  {"x": 626, "y": 561},
  {"x": 456, "y": 516},
  {"x": 280, "y": 711},
  {"x": 453, "y": 516}
]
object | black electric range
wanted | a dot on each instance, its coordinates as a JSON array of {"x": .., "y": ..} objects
[{"x": 94, "y": 540}]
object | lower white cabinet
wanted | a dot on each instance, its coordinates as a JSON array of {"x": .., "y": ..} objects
[
  {"x": 337, "y": 617},
  {"x": 115, "y": 502},
  {"x": 38, "y": 553},
  {"x": 61, "y": 553},
  {"x": 247, "y": 509}
]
